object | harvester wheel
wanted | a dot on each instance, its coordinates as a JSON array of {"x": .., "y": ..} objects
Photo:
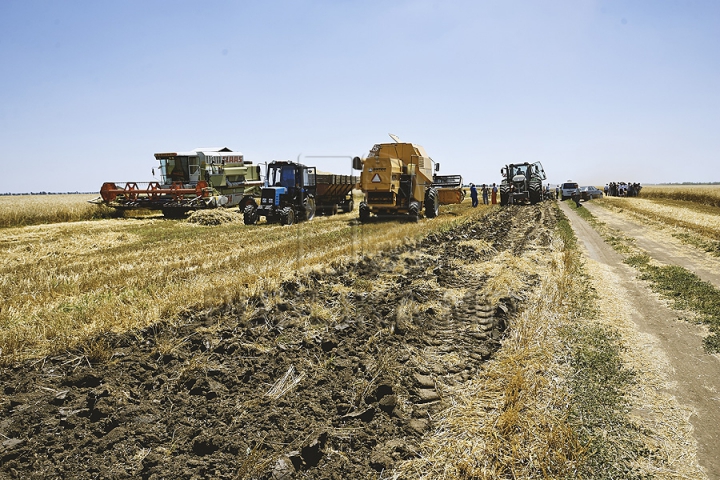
[
  {"x": 250, "y": 215},
  {"x": 414, "y": 211},
  {"x": 364, "y": 212},
  {"x": 287, "y": 216},
  {"x": 432, "y": 203}
]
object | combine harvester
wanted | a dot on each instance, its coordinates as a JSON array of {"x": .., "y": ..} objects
[
  {"x": 203, "y": 178},
  {"x": 397, "y": 179}
]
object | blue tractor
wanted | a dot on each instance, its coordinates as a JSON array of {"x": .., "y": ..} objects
[{"x": 288, "y": 195}]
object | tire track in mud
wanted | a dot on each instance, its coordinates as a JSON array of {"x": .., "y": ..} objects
[{"x": 335, "y": 375}]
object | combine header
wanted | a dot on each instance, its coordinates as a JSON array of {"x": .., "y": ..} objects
[
  {"x": 200, "y": 179},
  {"x": 397, "y": 179}
]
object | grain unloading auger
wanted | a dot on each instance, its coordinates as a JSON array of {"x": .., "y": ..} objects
[{"x": 203, "y": 178}]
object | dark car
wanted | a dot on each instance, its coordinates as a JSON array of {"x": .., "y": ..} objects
[{"x": 588, "y": 193}]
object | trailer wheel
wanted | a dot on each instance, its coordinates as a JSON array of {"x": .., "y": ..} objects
[
  {"x": 287, "y": 216},
  {"x": 250, "y": 215},
  {"x": 432, "y": 204},
  {"x": 349, "y": 206}
]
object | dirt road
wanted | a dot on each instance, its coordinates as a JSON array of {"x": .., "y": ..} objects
[
  {"x": 661, "y": 245},
  {"x": 692, "y": 377}
]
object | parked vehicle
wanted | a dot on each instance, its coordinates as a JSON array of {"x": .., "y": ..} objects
[
  {"x": 568, "y": 189},
  {"x": 589, "y": 193}
]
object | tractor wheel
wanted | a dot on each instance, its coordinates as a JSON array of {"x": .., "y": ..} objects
[
  {"x": 309, "y": 208},
  {"x": 250, "y": 215},
  {"x": 504, "y": 198},
  {"x": 364, "y": 212},
  {"x": 287, "y": 216},
  {"x": 432, "y": 204},
  {"x": 535, "y": 196}
]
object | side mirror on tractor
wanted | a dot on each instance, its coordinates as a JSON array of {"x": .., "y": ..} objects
[{"x": 357, "y": 163}]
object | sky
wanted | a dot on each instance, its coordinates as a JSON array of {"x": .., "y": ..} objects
[{"x": 597, "y": 91}]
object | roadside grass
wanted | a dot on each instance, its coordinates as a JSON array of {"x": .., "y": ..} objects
[
  {"x": 22, "y": 210},
  {"x": 685, "y": 290},
  {"x": 551, "y": 403},
  {"x": 63, "y": 283}
]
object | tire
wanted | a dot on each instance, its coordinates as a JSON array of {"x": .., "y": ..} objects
[
  {"x": 364, "y": 212},
  {"x": 287, "y": 216},
  {"x": 504, "y": 198},
  {"x": 535, "y": 196},
  {"x": 250, "y": 215},
  {"x": 349, "y": 206},
  {"x": 432, "y": 203},
  {"x": 309, "y": 208},
  {"x": 414, "y": 211}
]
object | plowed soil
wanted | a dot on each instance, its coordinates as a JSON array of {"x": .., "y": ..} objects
[{"x": 331, "y": 376}]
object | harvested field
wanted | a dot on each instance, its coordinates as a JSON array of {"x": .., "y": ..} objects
[{"x": 454, "y": 354}]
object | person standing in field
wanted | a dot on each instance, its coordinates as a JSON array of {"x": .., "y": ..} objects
[
  {"x": 473, "y": 195},
  {"x": 485, "y": 194},
  {"x": 494, "y": 194}
]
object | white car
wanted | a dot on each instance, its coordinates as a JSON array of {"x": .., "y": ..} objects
[{"x": 567, "y": 189}]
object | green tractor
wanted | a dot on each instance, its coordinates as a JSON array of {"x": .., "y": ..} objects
[{"x": 522, "y": 183}]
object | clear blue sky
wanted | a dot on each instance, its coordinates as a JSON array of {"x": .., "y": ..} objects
[{"x": 597, "y": 91}]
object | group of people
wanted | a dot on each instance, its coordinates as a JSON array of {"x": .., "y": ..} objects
[
  {"x": 489, "y": 194},
  {"x": 622, "y": 189}
]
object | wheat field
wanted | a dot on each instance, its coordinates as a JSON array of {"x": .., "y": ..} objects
[{"x": 65, "y": 282}]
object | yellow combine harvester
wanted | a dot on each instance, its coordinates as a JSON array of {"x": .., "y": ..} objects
[{"x": 397, "y": 179}]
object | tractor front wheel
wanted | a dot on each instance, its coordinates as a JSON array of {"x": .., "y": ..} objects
[{"x": 287, "y": 216}]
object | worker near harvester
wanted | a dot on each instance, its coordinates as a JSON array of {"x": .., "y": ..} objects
[
  {"x": 494, "y": 194},
  {"x": 485, "y": 192},
  {"x": 473, "y": 195}
]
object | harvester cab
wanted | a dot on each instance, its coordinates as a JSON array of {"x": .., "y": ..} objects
[
  {"x": 521, "y": 183},
  {"x": 288, "y": 195}
]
